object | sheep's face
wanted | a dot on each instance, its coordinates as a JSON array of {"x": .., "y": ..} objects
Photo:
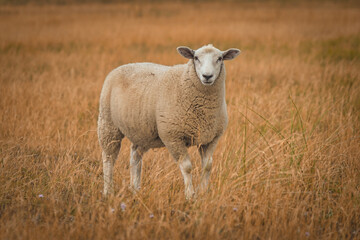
[{"x": 208, "y": 61}]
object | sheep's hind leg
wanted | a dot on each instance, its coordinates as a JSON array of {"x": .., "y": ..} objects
[
  {"x": 135, "y": 167},
  {"x": 110, "y": 141},
  {"x": 182, "y": 157},
  {"x": 108, "y": 169}
]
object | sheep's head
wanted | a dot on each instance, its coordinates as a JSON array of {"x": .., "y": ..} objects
[{"x": 208, "y": 61}]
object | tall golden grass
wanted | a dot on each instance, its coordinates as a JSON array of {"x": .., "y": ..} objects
[{"x": 288, "y": 166}]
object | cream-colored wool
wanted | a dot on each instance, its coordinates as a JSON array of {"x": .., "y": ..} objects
[{"x": 155, "y": 106}]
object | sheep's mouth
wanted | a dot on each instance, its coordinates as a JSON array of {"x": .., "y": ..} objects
[{"x": 207, "y": 82}]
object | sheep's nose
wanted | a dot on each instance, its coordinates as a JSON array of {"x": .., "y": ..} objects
[{"x": 207, "y": 77}]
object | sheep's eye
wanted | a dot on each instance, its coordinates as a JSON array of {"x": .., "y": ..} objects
[
  {"x": 196, "y": 58},
  {"x": 219, "y": 59}
]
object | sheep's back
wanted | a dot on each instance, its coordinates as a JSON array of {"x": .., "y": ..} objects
[{"x": 134, "y": 94}]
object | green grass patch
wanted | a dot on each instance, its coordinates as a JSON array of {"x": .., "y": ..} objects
[{"x": 334, "y": 50}]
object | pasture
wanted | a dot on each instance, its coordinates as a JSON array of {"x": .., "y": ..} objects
[{"x": 288, "y": 166}]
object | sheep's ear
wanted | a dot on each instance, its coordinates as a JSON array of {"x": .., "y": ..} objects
[
  {"x": 186, "y": 52},
  {"x": 231, "y": 53}
]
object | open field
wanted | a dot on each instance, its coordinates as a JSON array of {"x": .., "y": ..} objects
[{"x": 288, "y": 166}]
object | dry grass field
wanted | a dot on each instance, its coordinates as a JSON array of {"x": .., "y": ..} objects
[{"x": 288, "y": 166}]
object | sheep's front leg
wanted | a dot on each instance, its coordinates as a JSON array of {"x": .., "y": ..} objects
[
  {"x": 206, "y": 152},
  {"x": 135, "y": 167},
  {"x": 185, "y": 168},
  {"x": 182, "y": 157}
]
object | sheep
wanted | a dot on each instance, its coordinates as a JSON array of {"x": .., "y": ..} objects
[{"x": 173, "y": 106}]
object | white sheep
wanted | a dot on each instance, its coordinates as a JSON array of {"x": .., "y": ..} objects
[{"x": 155, "y": 106}]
